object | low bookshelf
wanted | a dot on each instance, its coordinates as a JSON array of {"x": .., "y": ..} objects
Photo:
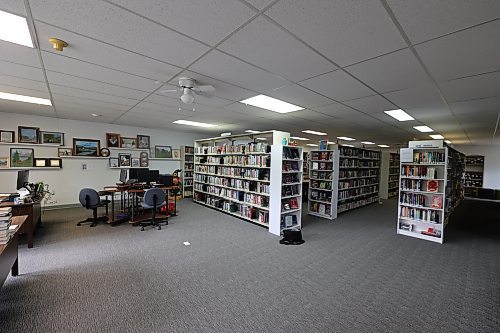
[
  {"x": 474, "y": 174},
  {"x": 323, "y": 183}
]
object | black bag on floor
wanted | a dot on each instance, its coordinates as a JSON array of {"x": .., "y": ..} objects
[{"x": 292, "y": 237}]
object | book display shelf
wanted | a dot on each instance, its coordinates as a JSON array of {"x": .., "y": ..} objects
[
  {"x": 323, "y": 183},
  {"x": 359, "y": 174},
  {"x": 474, "y": 170},
  {"x": 431, "y": 187},
  {"x": 305, "y": 165},
  {"x": 243, "y": 177},
  {"x": 187, "y": 166},
  {"x": 389, "y": 175}
]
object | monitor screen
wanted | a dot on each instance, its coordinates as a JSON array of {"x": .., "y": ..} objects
[
  {"x": 123, "y": 176},
  {"x": 22, "y": 178},
  {"x": 133, "y": 173},
  {"x": 167, "y": 180},
  {"x": 142, "y": 175},
  {"x": 153, "y": 176}
]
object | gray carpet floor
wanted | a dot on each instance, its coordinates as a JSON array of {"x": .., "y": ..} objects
[{"x": 351, "y": 275}]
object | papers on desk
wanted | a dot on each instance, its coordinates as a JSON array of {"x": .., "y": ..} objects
[{"x": 6, "y": 231}]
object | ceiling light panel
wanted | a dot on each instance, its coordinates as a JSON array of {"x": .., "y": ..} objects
[
  {"x": 25, "y": 99},
  {"x": 312, "y": 145},
  {"x": 399, "y": 115},
  {"x": 14, "y": 29},
  {"x": 347, "y": 146},
  {"x": 423, "y": 129},
  {"x": 271, "y": 104},
  {"x": 368, "y": 142},
  {"x": 193, "y": 123},
  {"x": 314, "y": 132},
  {"x": 299, "y": 138},
  {"x": 383, "y": 146},
  {"x": 346, "y": 138},
  {"x": 252, "y": 131},
  {"x": 437, "y": 136}
]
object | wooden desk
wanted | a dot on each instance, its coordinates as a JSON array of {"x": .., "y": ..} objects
[
  {"x": 34, "y": 212},
  {"x": 9, "y": 252}
]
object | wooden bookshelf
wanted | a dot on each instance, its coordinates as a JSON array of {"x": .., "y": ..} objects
[{"x": 323, "y": 183}]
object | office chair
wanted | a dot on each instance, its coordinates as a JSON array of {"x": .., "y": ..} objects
[
  {"x": 154, "y": 198},
  {"x": 89, "y": 198}
]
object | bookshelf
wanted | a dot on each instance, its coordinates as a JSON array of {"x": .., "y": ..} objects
[
  {"x": 431, "y": 187},
  {"x": 389, "y": 175},
  {"x": 187, "y": 166},
  {"x": 305, "y": 165},
  {"x": 323, "y": 183},
  {"x": 242, "y": 177},
  {"x": 474, "y": 174},
  {"x": 359, "y": 177}
]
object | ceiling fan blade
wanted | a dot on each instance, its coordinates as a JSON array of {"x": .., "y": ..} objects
[
  {"x": 204, "y": 94},
  {"x": 171, "y": 90},
  {"x": 204, "y": 88}
]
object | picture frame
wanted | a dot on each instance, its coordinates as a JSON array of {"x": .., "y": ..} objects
[
  {"x": 52, "y": 138},
  {"x": 7, "y": 136},
  {"x": 176, "y": 153},
  {"x": 64, "y": 151},
  {"x": 151, "y": 152},
  {"x": 21, "y": 157},
  {"x": 40, "y": 162},
  {"x": 163, "y": 152},
  {"x": 86, "y": 147},
  {"x": 144, "y": 159},
  {"x": 143, "y": 141},
  {"x": 4, "y": 162},
  {"x": 124, "y": 160},
  {"x": 113, "y": 140},
  {"x": 130, "y": 143},
  {"x": 135, "y": 162},
  {"x": 27, "y": 134},
  {"x": 104, "y": 152},
  {"x": 55, "y": 162},
  {"x": 113, "y": 162}
]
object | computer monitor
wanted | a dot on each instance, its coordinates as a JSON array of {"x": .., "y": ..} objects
[
  {"x": 166, "y": 180},
  {"x": 142, "y": 175},
  {"x": 123, "y": 176},
  {"x": 133, "y": 173},
  {"x": 22, "y": 178},
  {"x": 153, "y": 176}
]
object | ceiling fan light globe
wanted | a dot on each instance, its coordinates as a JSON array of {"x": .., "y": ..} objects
[{"x": 187, "y": 98}]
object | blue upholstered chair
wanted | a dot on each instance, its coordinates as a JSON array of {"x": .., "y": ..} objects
[
  {"x": 90, "y": 199},
  {"x": 154, "y": 198}
]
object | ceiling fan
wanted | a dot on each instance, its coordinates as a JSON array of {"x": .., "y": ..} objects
[{"x": 189, "y": 90}]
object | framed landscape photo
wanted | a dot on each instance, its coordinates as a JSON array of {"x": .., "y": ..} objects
[
  {"x": 53, "y": 138},
  {"x": 7, "y": 136},
  {"x": 113, "y": 140},
  {"x": 4, "y": 162},
  {"x": 135, "y": 162},
  {"x": 143, "y": 141},
  {"x": 27, "y": 134},
  {"x": 163, "y": 151},
  {"x": 86, "y": 147},
  {"x": 113, "y": 162},
  {"x": 124, "y": 160},
  {"x": 64, "y": 152},
  {"x": 130, "y": 143},
  {"x": 21, "y": 157},
  {"x": 176, "y": 153}
]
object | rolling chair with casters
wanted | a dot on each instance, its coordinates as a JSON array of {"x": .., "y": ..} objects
[
  {"x": 154, "y": 198},
  {"x": 89, "y": 198}
]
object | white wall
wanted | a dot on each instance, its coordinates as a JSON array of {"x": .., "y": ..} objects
[
  {"x": 491, "y": 163},
  {"x": 67, "y": 182}
]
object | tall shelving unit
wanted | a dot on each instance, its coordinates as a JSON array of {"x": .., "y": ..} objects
[
  {"x": 359, "y": 177},
  {"x": 431, "y": 187},
  {"x": 389, "y": 175},
  {"x": 474, "y": 174},
  {"x": 242, "y": 177},
  {"x": 187, "y": 166},
  {"x": 323, "y": 183}
]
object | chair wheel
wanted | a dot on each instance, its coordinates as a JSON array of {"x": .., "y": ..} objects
[
  {"x": 79, "y": 224},
  {"x": 159, "y": 227},
  {"x": 142, "y": 228}
]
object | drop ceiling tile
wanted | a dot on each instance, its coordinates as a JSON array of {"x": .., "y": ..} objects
[
  {"x": 336, "y": 109},
  {"x": 474, "y": 87},
  {"x": 26, "y": 108},
  {"x": 300, "y": 96},
  {"x": 115, "y": 26},
  {"x": 421, "y": 96},
  {"x": 92, "y": 96},
  {"x": 19, "y": 54},
  {"x": 338, "y": 86},
  {"x": 345, "y": 31},
  {"x": 102, "y": 54},
  {"x": 21, "y": 71},
  {"x": 476, "y": 107},
  {"x": 89, "y": 105},
  {"x": 423, "y": 20},
  {"x": 24, "y": 91},
  {"x": 266, "y": 45},
  {"x": 259, "y": 4},
  {"x": 13, "y": 6},
  {"x": 252, "y": 110},
  {"x": 394, "y": 71},
  {"x": 313, "y": 115},
  {"x": 174, "y": 98},
  {"x": 464, "y": 53},
  {"x": 372, "y": 104},
  {"x": 214, "y": 19},
  {"x": 61, "y": 64},
  {"x": 13, "y": 81},
  {"x": 225, "y": 68}
]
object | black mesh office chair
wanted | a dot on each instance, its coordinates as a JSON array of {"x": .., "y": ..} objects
[
  {"x": 154, "y": 198},
  {"x": 89, "y": 198}
]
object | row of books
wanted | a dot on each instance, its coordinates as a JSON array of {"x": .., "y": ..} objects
[
  {"x": 473, "y": 183},
  {"x": 474, "y": 160},
  {"x": 288, "y": 221},
  {"x": 261, "y": 174},
  {"x": 290, "y": 203},
  {"x": 291, "y": 153},
  {"x": 320, "y": 208},
  {"x": 322, "y": 156},
  {"x": 188, "y": 158},
  {"x": 322, "y": 166},
  {"x": 242, "y": 196},
  {"x": 321, "y": 175},
  {"x": 357, "y": 173},
  {"x": 355, "y": 204},
  {"x": 7, "y": 230},
  {"x": 291, "y": 166},
  {"x": 429, "y": 157},
  {"x": 473, "y": 175},
  {"x": 246, "y": 160},
  {"x": 359, "y": 153},
  {"x": 354, "y": 192},
  {"x": 188, "y": 174},
  {"x": 345, "y": 184},
  {"x": 420, "y": 185},
  {"x": 325, "y": 185},
  {"x": 393, "y": 178},
  {"x": 414, "y": 199},
  {"x": 421, "y": 214},
  {"x": 419, "y": 171},
  {"x": 321, "y": 195},
  {"x": 189, "y": 150},
  {"x": 251, "y": 147},
  {"x": 188, "y": 182},
  {"x": 188, "y": 193},
  {"x": 288, "y": 190},
  {"x": 288, "y": 178},
  {"x": 248, "y": 185}
]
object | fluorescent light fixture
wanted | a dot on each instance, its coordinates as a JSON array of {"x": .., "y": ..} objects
[
  {"x": 399, "y": 115},
  {"x": 299, "y": 138},
  {"x": 312, "y": 144},
  {"x": 25, "y": 99},
  {"x": 383, "y": 146},
  {"x": 261, "y": 139},
  {"x": 346, "y": 138},
  {"x": 347, "y": 146},
  {"x": 225, "y": 134},
  {"x": 96, "y": 115},
  {"x": 423, "y": 129},
  {"x": 368, "y": 142},
  {"x": 314, "y": 132},
  {"x": 271, "y": 104},
  {"x": 437, "y": 136},
  {"x": 331, "y": 143},
  {"x": 14, "y": 29},
  {"x": 447, "y": 141},
  {"x": 193, "y": 123},
  {"x": 251, "y": 131}
]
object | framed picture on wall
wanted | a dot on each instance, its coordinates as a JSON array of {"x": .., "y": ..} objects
[
  {"x": 113, "y": 162},
  {"x": 21, "y": 157},
  {"x": 53, "y": 138},
  {"x": 64, "y": 151},
  {"x": 124, "y": 160},
  {"x": 113, "y": 140},
  {"x": 55, "y": 162},
  {"x": 135, "y": 162},
  {"x": 176, "y": 153},
  {"x": 143, "y": 141},
  {"x": 40, "y": 162},
  {"x": 27, "y": 134},
  {"x": 86, "y": 147},
  {"x": 144, "y": 159},
  {"x": 163, "y": 151},
  {"x": 7, "y": 136},
  {"x": 130, "y": 143},
  {"x": 4, "y": 162}
]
